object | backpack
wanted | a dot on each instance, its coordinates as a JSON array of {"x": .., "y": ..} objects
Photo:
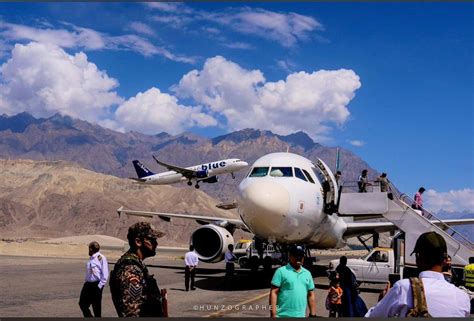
[{"x": 420, "y": 308}]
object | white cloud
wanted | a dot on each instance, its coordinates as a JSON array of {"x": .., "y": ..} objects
[
  {"x": 43, "y": 79},
  {"x": 239, "y": 45},
  {"x": 303, "y": 101},
  {"x": 141, "y": 28},
  {"x": 86, "y": 39},
  {"x": 284, "y": 28},
  {"x": 287, "y": 29},
  {"x": 452, "y": 201},
  {"x": 357, "y": 143},
  {"x": 153, "y": 111}
]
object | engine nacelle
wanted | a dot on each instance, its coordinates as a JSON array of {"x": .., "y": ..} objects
[
  {"x": 211, "y": 180},
  {"x": 210, "y": 242},
  {"x": 203, "y": 173}
]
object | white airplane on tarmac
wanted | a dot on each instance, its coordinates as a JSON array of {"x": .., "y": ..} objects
[
  {"x": 285, "y": 199},
  {"x": 206, "y": 173}
]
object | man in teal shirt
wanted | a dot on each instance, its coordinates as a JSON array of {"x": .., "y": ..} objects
[{"x": 292, "y": 288}]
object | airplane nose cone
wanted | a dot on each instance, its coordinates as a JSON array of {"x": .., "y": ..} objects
[
  {"x": 264, "y": 207},
  {"x": 244, "y": 164}
]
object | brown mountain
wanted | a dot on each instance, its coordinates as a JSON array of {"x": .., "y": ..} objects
[
  {"x": 110, "y": 152},
  {"x": 57, "y": 198}
]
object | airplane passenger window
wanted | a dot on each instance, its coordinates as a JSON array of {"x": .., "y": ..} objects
[
  {"x": 281, "y": 172},
  {"x": 299, "y": 174},
  {"x": 259, "y": 172},
  {"x": 308, "y": 176}
]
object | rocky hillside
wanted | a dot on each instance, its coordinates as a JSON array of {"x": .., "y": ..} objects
[
  {"x": 106, "y": 151},
  {"x": 57, "y": 198}
]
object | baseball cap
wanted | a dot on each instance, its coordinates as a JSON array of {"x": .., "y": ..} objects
[
  {"x": 143, "y": 229},
  {"x": 430, "y": 243},
  {"x": 297, "y": 251}
]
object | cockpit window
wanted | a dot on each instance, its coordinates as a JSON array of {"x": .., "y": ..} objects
[
  {"x": 308, "y": 176},
  {"x": 259, "y": 172},
  {"x": 281, "y": 172},
  {"x": 299, "y": 174}
]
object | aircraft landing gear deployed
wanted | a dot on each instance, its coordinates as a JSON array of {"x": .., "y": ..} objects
[
  {"x": 190, "y": 183},
  {"x": 197, "y": 185}
]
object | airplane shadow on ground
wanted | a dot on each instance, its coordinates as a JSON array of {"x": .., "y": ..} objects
[{"x": 241, "y": 281}]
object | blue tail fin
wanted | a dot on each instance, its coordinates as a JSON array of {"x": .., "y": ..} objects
[{"x": 141, "y": 169}]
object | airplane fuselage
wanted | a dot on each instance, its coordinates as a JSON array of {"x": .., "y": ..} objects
[
  {"x": 221, "y": 167},
  {"x": 281, "y": 200}
]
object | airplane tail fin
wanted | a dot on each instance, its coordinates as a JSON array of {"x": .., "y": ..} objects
[{"x": 141, "y": 169}]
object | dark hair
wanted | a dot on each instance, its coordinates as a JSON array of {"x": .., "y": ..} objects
[
  {"x": 364, "y": 171},
  {"x": 94, "y": 246},
  {"x": 230, "y": 246},
  {"x": 343, "y": 260},
  {"x": 471, "y": 260},
  {"x": 384, "y": 175},
  {"x": 191, "y": 247},
  {"x": 339, "y": 172},
  {"x": 421, "y": 190},
  {"x": 334, "y": 282}
]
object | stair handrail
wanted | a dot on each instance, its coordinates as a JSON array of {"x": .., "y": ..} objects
[{"x": 429, "y": 216}]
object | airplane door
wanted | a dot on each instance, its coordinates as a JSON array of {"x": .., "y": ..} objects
[{"x": 332, "y": 192}]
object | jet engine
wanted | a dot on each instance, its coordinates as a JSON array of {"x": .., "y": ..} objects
[
  {"x": 210, "y": 242},
  {"x": 203, "y": 173},
  {"x": 211, "y": 180}
]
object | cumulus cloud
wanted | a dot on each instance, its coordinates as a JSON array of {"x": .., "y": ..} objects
[
  {"x": 43, "y": 79},
  {"x": 452, "y": 201},
  {"x": 154, "y": 111},
  {"x": 303, "y": 101},
  {"x": 86, "y": 39},
  {"x": 357, "y": 143}
]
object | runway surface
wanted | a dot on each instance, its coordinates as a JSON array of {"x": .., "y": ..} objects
[{"x": 50, "y": 287}]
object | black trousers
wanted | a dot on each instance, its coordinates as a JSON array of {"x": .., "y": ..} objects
[
  {"x": 229, "y": 275},
  {"x": 189, "y": 274},
  {"x": 91, "y": 295}
]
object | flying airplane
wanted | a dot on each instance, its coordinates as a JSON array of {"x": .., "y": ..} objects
[
  {"x": 285, "y": 199},
  {"x": 206, "y": 173}
]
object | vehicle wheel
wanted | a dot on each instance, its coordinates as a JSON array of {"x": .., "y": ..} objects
[
  {"x": 197, "y": 186},
  {"x": 244, "y": 262},
  {"x": 190, "y": 183}
]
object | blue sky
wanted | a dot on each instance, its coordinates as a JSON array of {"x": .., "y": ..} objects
[{"x": 391, "y": 82}]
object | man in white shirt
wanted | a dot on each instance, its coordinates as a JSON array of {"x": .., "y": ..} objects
[
  {"x": 442, "y": 298},
  {"x": 191, "y": 261},
  {"x": 97, "y": 273}
]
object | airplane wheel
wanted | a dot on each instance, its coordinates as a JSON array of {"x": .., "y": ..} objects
[
  {"x": 190, "y": 183},
  {"x": 197, "y": 186},
  {"x": 254, "y": 263},
  {"x": 267, "y": 264}
]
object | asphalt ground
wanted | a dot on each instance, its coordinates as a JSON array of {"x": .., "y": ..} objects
[{"x": 50, "y": 287}]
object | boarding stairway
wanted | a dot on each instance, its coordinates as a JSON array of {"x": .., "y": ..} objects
[{"x": 412, "y": 222}]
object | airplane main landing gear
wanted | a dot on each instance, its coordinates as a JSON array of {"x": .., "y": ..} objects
[
  {"x": 197, "y": 185},
  {"x": 190, "y": 183}
]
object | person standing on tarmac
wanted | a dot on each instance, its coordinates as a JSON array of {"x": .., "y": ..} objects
[
  {"x": 135, "y": 292},
  {"x": 191, "y": 261},
  {"x": 230, "y": 259},
  {"x": 292, "y": 288},
  {"x": 469, "y": 279},
  {"x": 429, "y": 295},
  {"x": 97, "y": 273}
]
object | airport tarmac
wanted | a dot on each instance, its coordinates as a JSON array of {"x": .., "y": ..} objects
[{"x": 50, "y": 287}]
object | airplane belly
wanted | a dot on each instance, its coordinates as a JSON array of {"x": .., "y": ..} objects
[{"x": 328, "y": 233}]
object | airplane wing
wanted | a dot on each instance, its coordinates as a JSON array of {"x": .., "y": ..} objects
[
  {"x": 220, "y": 221},
  {"x": 357, "y": 228},
  {"x": 188, "y": 173}
]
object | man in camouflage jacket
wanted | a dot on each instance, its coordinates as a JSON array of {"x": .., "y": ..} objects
[{"x": 135, "y": 292}]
